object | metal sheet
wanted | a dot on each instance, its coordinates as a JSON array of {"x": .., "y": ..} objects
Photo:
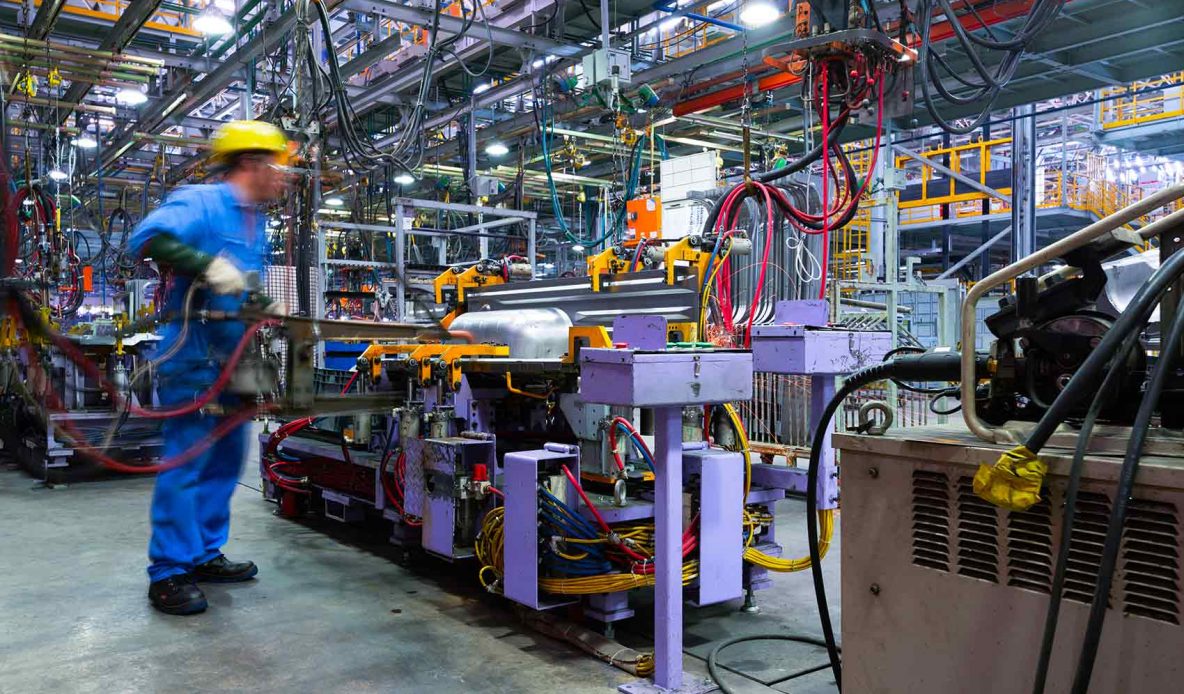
[
  {"x": 908, "y": 625},
  {"x": 636, "y": 294},
  {"x": 530, "y": 333}
]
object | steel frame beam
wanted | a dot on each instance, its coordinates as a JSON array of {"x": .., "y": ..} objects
[{"x": 138, "y": 12}]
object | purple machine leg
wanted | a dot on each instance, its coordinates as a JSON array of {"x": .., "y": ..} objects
[
  {"x": 822, "y": 389},
  {"x": 666, "y": 381},
  {"x": 668, "y": 546}
]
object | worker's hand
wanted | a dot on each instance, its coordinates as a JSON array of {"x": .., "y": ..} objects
[
  {"x": 224, "y": 278},
  {"x": 277, "y": 308}
]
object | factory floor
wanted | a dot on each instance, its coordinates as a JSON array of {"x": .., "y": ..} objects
[{"x": 332, "y": 610}]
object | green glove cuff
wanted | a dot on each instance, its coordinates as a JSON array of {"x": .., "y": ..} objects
[{"x": 168, "y": 249}]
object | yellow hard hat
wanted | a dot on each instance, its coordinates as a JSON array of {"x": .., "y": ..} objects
[{"x": 247, "y": 136}]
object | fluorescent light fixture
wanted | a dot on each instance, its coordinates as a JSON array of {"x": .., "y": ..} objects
[
  {"x": 482, "y": 88},
  {"x": 176, "y": 102},
  {"x": 85, "y": 141},
  {"x": 496, "y": 149},
  {"x": 58, "y": 175},
  {"x": 334, "y": 201},
  {"x": 131, "y": 97},
  {"x": 405, "y": 179},
  {"x": 577, "y": 248},
  {"x": 211, "y": 22},
  {"x": 758, "y": 13}
]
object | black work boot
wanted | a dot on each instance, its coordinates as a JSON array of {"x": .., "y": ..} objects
[
  {"x": 177, "y": 595},
  {"x": 222, "y": 570}
]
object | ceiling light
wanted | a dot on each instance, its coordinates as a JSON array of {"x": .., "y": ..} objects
[
  {"x": 131, "y": 97},
  {"x": 482, "y": 88},
  {"x": 211, "y": 22},
  {"x": 58, "y": 174},
  {"x": 85, "y": 141},
  {"x": 758, "y": 13},
  {"x": 334, "y": 201},
  {"x": 577, "y": 248},
  {"x": 225, "y": 5},
  {"x": 405, "y": 179},
  {"x": 497, "y": 149}
]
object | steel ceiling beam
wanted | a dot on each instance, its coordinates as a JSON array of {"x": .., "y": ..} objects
[
  {"x": 167, "y": 111},
  {"x": 133, "y": 17},
  {"x": 501, "y": 35},
  {"x": 47, "y": 15}
]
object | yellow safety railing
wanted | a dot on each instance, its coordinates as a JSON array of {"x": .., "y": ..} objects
[
  {"x": 849, "y": 258},
  {"x": 110, "y": 10},
  {"x": 1134, "y": 104}
]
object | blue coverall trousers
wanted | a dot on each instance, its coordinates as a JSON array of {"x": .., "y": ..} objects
[{"x": 191, "y": 503}]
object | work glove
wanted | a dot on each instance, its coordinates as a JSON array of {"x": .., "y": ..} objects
[
  {"x": 277, "y": 308},
  {"x": 223, "y": 277}
]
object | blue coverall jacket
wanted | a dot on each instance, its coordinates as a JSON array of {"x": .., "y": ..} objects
[{"x": 191, "y": 503}]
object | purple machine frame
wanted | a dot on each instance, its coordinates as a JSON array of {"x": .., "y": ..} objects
[
  {"x": 799, "y": 344},
  {"x": 644, "y": 374}
]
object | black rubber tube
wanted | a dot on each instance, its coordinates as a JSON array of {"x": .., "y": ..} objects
[
  {"x": 1069, "y": 514},
  {"x": 712, "y": 658},
  {"x": 1126, "y": 483}
]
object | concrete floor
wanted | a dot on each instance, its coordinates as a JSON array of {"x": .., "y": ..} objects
[{"x": 332, "y": 610}]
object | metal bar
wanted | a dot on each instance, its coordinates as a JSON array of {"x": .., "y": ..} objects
[
  {"x": 668, "y": 547},
  {"x": 400, "y": 261},
  {"x": 418, "y": 231},
  {"x": 532, "y": 247},
  {"x": 47, "y": 14},
  {"x": 1023, "y": 182},
  {"x": 457, "y": 207},
  {"x": 953, "y": 174},
  {"x": 974, "y": 254}
]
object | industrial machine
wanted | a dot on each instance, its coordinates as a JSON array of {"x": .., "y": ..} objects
[
  {"x": 102, "y": 345},
  {"x": 571, "y": 436}
]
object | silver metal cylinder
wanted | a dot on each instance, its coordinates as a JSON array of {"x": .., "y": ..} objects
[{"x": 532, "y": 333}]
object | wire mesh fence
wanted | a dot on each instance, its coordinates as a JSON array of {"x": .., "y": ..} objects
[{"x": 779, "y": 412}]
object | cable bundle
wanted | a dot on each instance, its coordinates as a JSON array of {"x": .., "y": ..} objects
[
  {"x": 984, "y": 85},
  {"x": 840, "y": 86}
]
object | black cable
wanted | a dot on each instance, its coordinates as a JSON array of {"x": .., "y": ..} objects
[
  {"x": 928, "y": 366},
  {"x": 1069, "y": 514},
  {"x": 853, "y": 383},
  {"x": 1086, "y": 377},
  {"x": 1169, "y": 350},
  {"x": 712, "y": 657}
]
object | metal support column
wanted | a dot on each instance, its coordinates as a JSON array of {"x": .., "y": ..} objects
[
  {"x": 532, "y": 246},
  {"x": 1023, "y": 183},
  {"x": 668, "y": 547},
  {"x": 400, "y": 261}
]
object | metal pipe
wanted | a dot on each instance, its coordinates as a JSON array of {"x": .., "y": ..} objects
[
  {"x": 672, "y": 8},
  {"x": 1040, "y": 257}
]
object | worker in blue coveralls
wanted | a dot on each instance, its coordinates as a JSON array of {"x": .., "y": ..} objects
[{"x": 212, "y": 235}]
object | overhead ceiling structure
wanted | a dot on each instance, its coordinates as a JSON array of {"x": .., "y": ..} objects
[{"x": 491, "y": 74}]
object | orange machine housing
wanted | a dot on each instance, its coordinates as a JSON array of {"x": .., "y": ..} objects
[{"x": 643, "y": 219}]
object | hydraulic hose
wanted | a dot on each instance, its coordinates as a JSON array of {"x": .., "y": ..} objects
[
  {"x": 713, "y": 657},
  {"x": 1069, "y": 514},
  {"x": 1086, "y": 378},
  {"x": 932, "y": 366},
  {"x": 1122, "y": 493}
]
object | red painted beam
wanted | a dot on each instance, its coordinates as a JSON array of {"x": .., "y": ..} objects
[{"x": 939, "y": 32}]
